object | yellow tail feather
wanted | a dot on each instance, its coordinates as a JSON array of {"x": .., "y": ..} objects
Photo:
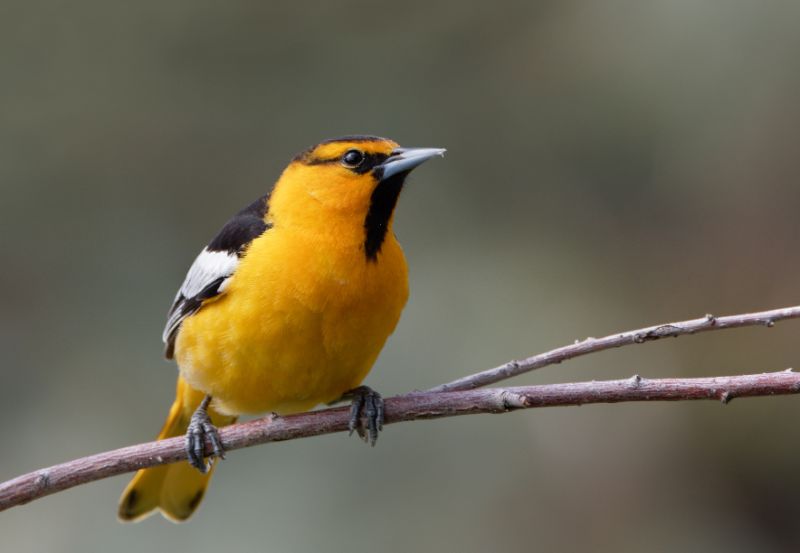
[{"x": 177, "y": 489}]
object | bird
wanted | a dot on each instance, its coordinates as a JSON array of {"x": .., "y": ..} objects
[{"x": 286, "y": 308}]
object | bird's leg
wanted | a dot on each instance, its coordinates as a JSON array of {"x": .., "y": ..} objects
[
  {"x": 200, "y": 427},
  {"x": 369, "y": 403}
]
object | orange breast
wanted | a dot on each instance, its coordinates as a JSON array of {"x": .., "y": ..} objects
[{"x": 302, "y": 321}]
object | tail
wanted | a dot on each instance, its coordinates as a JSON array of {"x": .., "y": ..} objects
[{"x": 177, "y": 489}]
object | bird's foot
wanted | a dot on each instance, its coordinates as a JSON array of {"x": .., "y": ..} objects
[
  {"x": 368, "y": 403},
  {"x": 200, "y": 428}
]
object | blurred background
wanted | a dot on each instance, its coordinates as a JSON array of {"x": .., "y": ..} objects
[{"x": 610, "y": 165}]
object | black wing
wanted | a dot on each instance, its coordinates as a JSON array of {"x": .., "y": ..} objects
[{"x": 212, "y": 269}]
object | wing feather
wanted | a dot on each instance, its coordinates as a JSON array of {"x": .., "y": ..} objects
[{"x": 212, "y": 269}]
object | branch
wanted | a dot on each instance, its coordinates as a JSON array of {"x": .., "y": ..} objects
[
  {"x": 640, "y": 336},
  {"x": 454, "y": 398},
  {"x": 424, "y": 405}
]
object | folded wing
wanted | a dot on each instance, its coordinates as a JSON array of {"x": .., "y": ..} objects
[{"x": 212, "y": 270}]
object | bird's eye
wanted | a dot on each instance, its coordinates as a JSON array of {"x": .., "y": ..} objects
[{"x": 352, "y": 158}]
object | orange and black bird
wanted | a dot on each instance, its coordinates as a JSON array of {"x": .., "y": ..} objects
[{"x": 287, "y": 307}]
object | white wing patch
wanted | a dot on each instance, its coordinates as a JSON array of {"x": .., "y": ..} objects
[
  {"x": 207, "y": 268},
  {"x": 208, "y": 276}
]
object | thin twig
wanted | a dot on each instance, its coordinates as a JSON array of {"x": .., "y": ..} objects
[
  {"x": 639, "y": 336},
  {"x": 403, "y": 408}
]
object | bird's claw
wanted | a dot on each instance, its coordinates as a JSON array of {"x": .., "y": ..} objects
[
  {"x": 200, "y": 428},
  {"x": 369, "y": 403}
]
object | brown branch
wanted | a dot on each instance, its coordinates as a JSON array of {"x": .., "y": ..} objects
[
  {"x": 639, "y": 336},
  {"x": 403, "y": 408},
  {"x": 454, "y": 398}
]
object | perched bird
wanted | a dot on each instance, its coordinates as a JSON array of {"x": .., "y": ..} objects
[{"x": 286, "y": 308}]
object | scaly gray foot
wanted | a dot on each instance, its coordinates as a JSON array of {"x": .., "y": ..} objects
[
  {"x": 200, "y": 428},
  {"x": 369, "y": 403}
]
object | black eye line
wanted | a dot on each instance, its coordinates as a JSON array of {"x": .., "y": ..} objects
[{"x": 370, "y": 161}]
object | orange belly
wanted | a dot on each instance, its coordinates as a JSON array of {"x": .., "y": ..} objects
[{"x": 300, "y": 324}]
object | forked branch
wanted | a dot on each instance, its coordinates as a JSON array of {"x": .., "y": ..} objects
[
  {"x": 455, "y": 398},
  {"x": 630, "y": 337}
]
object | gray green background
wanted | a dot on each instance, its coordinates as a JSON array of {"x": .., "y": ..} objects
[{"x": 611, "y": 164}]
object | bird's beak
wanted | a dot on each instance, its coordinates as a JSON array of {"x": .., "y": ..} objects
[{"x": 403, "y": 160}]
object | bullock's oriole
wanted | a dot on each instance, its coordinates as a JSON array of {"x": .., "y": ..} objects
[{"x": 286, "y": 308}]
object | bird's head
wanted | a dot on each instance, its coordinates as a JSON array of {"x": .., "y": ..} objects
[{"x": 353, "y": 181}]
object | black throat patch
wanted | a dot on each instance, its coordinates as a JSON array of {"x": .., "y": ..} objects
[{"x": 381, "y": 206}]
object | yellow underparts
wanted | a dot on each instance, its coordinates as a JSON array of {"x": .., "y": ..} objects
[{"x": 302, "y": 321}]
